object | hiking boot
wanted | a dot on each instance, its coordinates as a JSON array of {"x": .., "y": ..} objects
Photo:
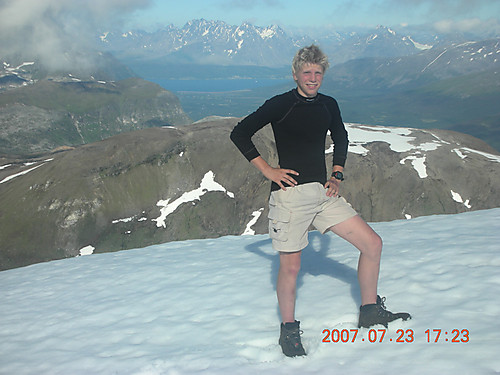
[
  {"x": 290, "y": 339},
  {"x": 376, "y": 313}
]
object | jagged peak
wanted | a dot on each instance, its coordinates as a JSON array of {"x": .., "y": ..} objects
[
  {"x": 386, "y": 29},
  {"x": 203, "y": 22}
]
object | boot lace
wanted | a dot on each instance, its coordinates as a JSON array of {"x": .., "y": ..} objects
[
  {"x": 382, "y": 311},
  {"x": 293, "y": 336}
]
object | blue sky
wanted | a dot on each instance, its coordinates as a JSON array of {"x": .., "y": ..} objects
[
  {"x": 46, "y": 26},
  {"x": 334, "y": 13}
]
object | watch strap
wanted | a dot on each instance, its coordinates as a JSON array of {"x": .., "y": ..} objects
[{"x": 338, "y": 175}]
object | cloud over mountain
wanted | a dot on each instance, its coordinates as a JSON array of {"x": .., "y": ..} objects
[{"x": 49, "y": 29}]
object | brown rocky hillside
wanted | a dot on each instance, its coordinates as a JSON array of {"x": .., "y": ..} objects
[{"x": 175, "y": 183}]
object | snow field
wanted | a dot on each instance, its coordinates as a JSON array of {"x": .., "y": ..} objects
[{"x": 209, "y": 306}]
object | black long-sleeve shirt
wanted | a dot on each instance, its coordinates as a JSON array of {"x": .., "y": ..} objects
[{"x": 300, "y": 127}]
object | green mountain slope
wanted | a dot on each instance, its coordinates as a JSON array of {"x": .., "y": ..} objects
[{"x": 48, "y": 114}]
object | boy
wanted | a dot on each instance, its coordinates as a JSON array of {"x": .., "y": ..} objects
[{"x": 301, "y": 193}]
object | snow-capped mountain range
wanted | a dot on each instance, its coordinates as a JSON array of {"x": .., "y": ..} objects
[
  {"x": 216, "y": 42},
  {"x": 208, "y": 42}
]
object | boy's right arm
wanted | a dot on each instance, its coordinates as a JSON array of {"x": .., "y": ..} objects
[
  {"x": 242, "y": 137},
  {"x": 278, "y": 175}
]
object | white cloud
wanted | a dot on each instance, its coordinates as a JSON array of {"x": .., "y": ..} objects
[
  {"x": 47, "y": 29},
  {"x": 466, "y": 25}
]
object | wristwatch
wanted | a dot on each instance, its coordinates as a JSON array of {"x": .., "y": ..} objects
[{"x": 338, "y": 175}]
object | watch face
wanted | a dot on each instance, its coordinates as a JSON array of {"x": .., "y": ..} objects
[{"x": 338, "y": 175}]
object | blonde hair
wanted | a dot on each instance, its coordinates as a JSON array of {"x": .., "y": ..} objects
[{"x": 309, "y": 55}]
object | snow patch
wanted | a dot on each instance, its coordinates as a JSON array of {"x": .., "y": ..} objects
[
  {"x": 11, "y": 177},
  {"x": 418, "y": 163},
  {"x": 7, "y": 66},
  {"x": 267, "y": 33},
  {"x": 458, "y": 198},
  {"x": 459, "y": 153},
  {"x": 87, "y": 250},
  {"x": 485, "y": 154},
  {"x": 248, "y": 230},
  {"x": 420, "y": 46},
  {"x": 398, "y": 138},
  {"x": 207, "y": 184},
  {"x": 433, "y": 61},
  {"x": 104, "y": 36},
  {"x": 401, "y": 140},
  {"x": 129, "y": 219},
  {"x": 126, "y": 220}
]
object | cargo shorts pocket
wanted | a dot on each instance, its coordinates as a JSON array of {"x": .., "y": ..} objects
[{"x": 279, "y": 223}]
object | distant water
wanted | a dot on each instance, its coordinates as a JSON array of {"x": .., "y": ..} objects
[{"x": 217, "y": 85}]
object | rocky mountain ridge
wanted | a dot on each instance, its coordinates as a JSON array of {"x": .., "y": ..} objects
[
  {"x": 408, "y": 72},
  {"x": 17, "y": 71},
  {"x": 173, "y": 183}
]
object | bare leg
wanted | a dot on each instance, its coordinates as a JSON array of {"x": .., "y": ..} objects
[
  {"x": 356, "y": 231},
  {"x": 286, "y": 285}
]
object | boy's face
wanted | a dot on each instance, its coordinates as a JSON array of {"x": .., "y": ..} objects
[{"x": 309, "y": 80}]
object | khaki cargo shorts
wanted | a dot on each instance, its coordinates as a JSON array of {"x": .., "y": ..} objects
[{"x": 291, "y": 213}]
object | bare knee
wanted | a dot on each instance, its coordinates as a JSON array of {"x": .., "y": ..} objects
[
  {"x": 376, "y": 246},
  {"x": 290, "y": 264},
  {"x": 373, "y": 248},
  {"x": 291, "y": 269}
]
